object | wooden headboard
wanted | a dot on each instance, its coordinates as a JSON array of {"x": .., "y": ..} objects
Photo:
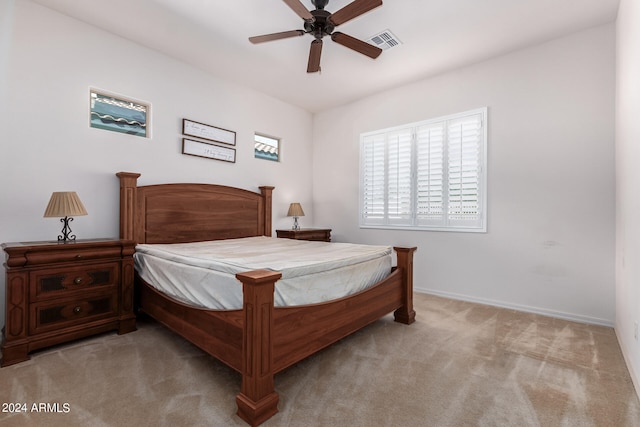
[{"x": 176, "y": 213}]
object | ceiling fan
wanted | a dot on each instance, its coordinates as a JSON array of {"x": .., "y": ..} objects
[{"x": 320, "y": 23}]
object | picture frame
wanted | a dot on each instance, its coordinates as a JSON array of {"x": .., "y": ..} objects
[
  {"x": 208, "y": 132},
  {"x": 266, "y": 147},
  {"x": 117, "y": 113},
  {"x": 208, "y": 151}
]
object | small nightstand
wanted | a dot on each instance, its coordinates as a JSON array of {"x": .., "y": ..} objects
[
  {"x": 318, "y": 234},
  {"x": 57, "y": 292}
]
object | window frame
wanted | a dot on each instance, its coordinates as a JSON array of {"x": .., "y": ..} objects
[{"x": 412, "y": 221}]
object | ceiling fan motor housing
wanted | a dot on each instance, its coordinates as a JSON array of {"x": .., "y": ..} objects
[{"x": 321, "y": 26}]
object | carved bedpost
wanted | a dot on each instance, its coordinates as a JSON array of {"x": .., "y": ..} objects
[
  {"x": 128, "y": 192},
  {"x": 406, "y": 314},
  {"x": 266, "y": 195},
  {"x": 257, "y": 400}
]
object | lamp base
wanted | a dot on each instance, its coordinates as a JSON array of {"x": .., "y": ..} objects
[
  {"x": 295, "y": 227},
  {"x": 66, "y": 235}
]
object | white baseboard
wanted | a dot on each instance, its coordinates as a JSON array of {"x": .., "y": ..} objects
[
  {"x": 635, "y": 378},
  {"x": 536, "y": 310}
]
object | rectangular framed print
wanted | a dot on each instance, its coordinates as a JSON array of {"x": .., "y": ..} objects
[
  {"x": 118, "y": 114},
  {"x": 211, "y": 133},
  {"x": 209, "y": 151}
]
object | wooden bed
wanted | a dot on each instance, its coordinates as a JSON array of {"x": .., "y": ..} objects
[{"x": 259, "y": 340}]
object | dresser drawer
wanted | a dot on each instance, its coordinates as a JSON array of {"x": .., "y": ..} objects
[
  {"x": 319, "y": 235},
  {"x": 316, "y": 234},
  {"x": 62, "y": 281},
  {"x": 71, "y": 254},
  {"x": 66, "y": 313}
]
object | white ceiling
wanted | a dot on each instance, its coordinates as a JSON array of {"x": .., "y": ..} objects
[{"x": 436, "y": 36}]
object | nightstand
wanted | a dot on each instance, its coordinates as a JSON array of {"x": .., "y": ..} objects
[
  {"x": 57, "y": 292},
  {"x": 318, "y": 234}
]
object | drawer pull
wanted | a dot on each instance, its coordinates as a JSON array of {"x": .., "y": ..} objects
[
  {"x": 77, "y": 280},
  {"x": 78, "y": 256},
  {"x": 77, "y": 309}
]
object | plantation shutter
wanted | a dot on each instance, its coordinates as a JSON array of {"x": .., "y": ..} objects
[
  {"x": 430, "y": 152},
  {"x": 427, "y": 175},
  {"x": 464, "y": 139},
  {"x": 399, "y": 187},
  {"x": 373, "y": 179}
]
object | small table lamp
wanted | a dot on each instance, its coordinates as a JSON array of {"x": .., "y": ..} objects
[
  {"x": 65, "y": 204},
  {"x": 295, "y": 210}
]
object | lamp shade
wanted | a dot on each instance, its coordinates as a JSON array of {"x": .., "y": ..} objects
[
  {"x": 64, "y": 203},
  {"x": 295, "y": 209}
]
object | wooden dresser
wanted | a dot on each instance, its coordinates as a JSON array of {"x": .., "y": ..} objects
[
  {"x": 57, "y": 292},
  {"x": 318, "y": 234}
]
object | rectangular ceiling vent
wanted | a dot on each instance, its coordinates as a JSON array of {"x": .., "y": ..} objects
[{"x": 384, "y": 40}]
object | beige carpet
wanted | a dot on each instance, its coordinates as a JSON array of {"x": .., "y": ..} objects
[{"x": 460, "y": 364}]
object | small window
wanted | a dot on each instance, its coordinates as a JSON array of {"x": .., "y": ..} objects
[
  {"x": 266, "y": 147},
  {"x": 426, "y": 176}
]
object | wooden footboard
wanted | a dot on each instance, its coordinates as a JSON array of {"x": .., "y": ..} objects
[{"x": 275, "y": 338}]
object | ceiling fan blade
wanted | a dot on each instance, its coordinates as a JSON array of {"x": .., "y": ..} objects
[
  {"x": 353, "y": 10},
  {"x": 300, "y": 10},
  {"x": 314, "y": 56},
  {"x": 276, "y": 36},
  {"x": 358, "y": 45}
]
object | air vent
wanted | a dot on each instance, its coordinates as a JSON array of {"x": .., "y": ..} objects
[{"x": 384, "y": 40}]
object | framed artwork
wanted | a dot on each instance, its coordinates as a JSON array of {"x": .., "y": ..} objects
[
  {"x": 211, "y": 133},
  {"x": 209, "y": 151},
  {"x": 118, "y": 114},
  {"x": 266, "y": 148}
]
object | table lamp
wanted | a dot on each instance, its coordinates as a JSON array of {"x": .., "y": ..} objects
[
  {"x": 295, "y": 210},
  {"x": 65, "y": 204}
]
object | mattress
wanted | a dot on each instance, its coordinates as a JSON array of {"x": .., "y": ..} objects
[{"x": 202, "y": 274}]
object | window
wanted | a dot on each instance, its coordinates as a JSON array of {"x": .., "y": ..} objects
[
  {"x": 266, "y": 147},
  {"x": 428, "y": 175}
]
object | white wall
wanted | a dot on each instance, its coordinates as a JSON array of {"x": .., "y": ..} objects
[
  {"x": 48, "y": 146},
  {"x": 550, "y": 244},
  {"x": 627, "y": 184},
  {"x": 550, "y": 241}
]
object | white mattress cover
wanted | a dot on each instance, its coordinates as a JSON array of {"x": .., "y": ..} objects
[{"x": 203, "y": 273}]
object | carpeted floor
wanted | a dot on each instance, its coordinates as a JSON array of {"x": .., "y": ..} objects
[{"x": 460, "y": 364}]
